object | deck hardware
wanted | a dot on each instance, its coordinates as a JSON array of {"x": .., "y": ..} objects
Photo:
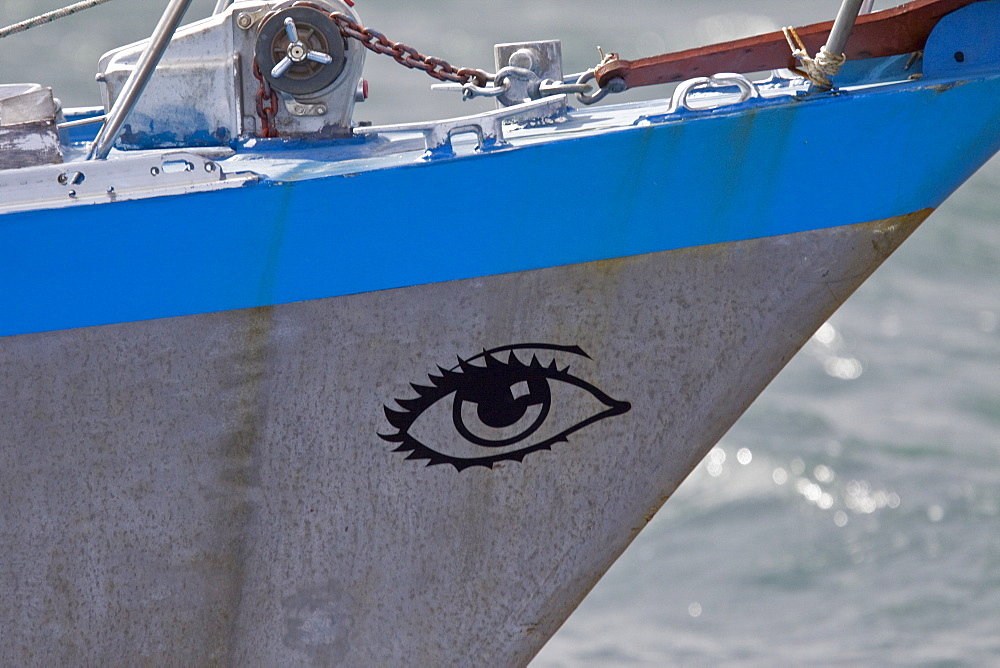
[
  {"x": 71, "y": 178},
  {"x": 297, "y": 51},
  {"x": 122, "y": 178},
  {"x": 296, "y": 108},
  {"x": 616, "y": 85},
  {"x": 300, "y": 50},
  {"x": 831, "y": 58},
  {"x": 248, "y": 19},
  {"x": 524, "y": 58},
  {"x": 524, "y": 65},
  {"x": 175, "y": 166},
  {"x": 83, "y": 121},
  {"x": 722, "y": 80},
  {"x": 488, "y": 126}
]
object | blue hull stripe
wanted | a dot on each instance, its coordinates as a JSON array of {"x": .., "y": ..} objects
[{"x": 714, "y": 178}]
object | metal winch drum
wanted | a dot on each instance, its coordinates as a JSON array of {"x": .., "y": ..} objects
[
  {"x": 300, "y": 50},
  {"x": 287, "y": 59}
]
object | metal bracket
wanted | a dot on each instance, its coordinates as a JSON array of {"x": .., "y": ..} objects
[
  {"x": 296, "y": 108},
  {"x": 487, "y": 126},
  {"x": 543, "y": 59},
  {"x": 117, "y": 179}
]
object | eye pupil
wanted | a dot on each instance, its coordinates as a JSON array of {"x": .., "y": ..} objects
[
  {"x": 501, "y": 411},
  {"x": 502, "y": 404}
]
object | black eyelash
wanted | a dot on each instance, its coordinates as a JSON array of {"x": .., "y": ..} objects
[{"x": 449, "y": 380}]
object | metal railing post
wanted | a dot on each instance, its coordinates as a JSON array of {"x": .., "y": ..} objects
[{"x": 842, "y": 27}]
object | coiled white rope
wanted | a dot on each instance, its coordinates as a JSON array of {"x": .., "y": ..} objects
[{"x": 49, "y": 17}]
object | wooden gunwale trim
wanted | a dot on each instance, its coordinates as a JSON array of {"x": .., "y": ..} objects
[{"x": 895, "y": 31}]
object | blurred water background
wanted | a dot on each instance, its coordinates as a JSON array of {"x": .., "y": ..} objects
[{"x": 852, "y": 517}]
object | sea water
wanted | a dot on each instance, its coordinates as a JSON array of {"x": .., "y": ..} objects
[{"x": 852, "y": 516}]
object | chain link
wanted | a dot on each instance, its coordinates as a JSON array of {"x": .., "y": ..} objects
[
  {"x": 406, "y": 55},
  {"x": 373, "y": 40},
  {"x": 267, "y": 104}
]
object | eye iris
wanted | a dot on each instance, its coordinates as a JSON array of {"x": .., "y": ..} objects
[{"x": 502, "y": 402}]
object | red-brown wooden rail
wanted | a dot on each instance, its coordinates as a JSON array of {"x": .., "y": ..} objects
[{"x": 902, "y": 29}]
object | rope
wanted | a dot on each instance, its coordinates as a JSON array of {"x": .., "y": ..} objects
[
  {"x": 818, "y": 69},
  {"x": 49, "y": 17}
]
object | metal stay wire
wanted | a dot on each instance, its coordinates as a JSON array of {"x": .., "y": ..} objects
[{"x": 49, "y": 17}]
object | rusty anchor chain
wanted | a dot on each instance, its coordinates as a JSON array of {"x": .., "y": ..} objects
[
  {"x": 267, "y": 104},
  {"x": 373, "y": 40},
  {"x": 406, "y": 55}
]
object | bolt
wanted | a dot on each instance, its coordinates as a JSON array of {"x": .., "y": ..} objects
[
  {"x": 244, "y": 21},
  {"x": 299, "y": 110},
  {"x": 319, "y": 109},
  {"x": 525, "y": 59}
]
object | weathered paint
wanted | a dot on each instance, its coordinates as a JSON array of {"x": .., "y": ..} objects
[
  {"x": 29, "y": 144},
  {"x": 28, "y": 134},
  {"x": 692, "y": 179},
  {"x": 213, "y": 488}
]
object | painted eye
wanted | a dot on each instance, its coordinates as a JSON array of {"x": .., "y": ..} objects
[{"x": 494, "y": 407}]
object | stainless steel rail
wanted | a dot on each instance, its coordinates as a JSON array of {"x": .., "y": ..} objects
[{"x": 842, "y": 27}]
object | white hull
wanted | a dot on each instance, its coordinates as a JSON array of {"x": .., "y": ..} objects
[{"x": 214, "y": 488}]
